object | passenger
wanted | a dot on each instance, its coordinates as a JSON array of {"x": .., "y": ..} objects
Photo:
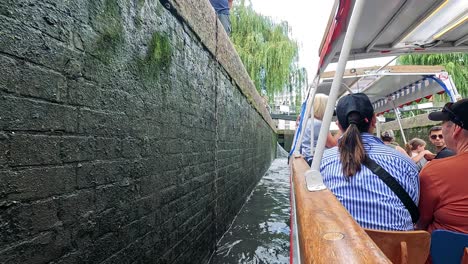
[
  {"x": 416, "y": 149},
  {"x": 444, "y": 182},
  {"x": 222, "y": 8},
  {"x": 366, "y": 197},
  {"x": 437, "y": 139},
  {"x": 388, "y": 138},
  {"x": 298, "y": 120},
  {"x": 320, "y": 103}
]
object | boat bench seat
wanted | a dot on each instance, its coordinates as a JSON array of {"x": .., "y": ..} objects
[{"x": 402, "y": 246}]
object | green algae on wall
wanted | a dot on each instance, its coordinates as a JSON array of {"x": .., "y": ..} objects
[
  {"x": 158, "y": 57},
  {"x": 159, "y": 52},
  {"x": 108, "y": 23}
]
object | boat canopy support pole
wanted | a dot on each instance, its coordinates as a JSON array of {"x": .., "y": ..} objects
[
  {"x": 397, "y": 114},
  {"x": 386, "y": 64},
  {"x": 314, "y": 178},
  {"x": 297, "y": 140},
  {"x": 309, "y": 109}
]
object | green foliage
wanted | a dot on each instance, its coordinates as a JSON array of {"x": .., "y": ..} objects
[
  {"x": 267, "y": 52},
  {"x": 454, "y": 63}
]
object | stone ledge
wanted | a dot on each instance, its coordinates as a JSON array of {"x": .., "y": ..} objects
[{"x": 410, "y": 122}]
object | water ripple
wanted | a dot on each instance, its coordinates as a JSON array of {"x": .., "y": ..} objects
[{"x": 260, "y": 233}]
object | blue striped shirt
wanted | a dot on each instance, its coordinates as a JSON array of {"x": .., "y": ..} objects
[{"x": 366, "y": 197}]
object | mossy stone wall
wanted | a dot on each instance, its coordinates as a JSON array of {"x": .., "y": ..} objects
[{"x": 124, "y": 137}]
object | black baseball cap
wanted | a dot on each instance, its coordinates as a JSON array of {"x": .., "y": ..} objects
[
  {"x": 358, "y": 103},
  {"x": 455, "y": 112}
]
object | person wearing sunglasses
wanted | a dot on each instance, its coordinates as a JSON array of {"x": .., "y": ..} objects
[
  {"x": 443, "y": 202},
  {"x": 437, "y": 139}
]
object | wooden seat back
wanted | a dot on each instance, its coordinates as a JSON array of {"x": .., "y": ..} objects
[{"x": 402, "y": 246}]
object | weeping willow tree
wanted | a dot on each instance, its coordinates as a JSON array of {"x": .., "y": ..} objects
[
  {"x": 266, "y": 50},
  {"x": 454, "y": 63}
]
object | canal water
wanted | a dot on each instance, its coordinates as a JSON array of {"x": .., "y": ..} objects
[{"x": 260, "y": 232}]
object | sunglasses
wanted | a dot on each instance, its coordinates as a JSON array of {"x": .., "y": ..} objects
[
  {"x": 435, "y": 136},
  {"x": 455, "y": 119}
]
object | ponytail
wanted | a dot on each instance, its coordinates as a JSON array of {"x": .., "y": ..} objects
[
  {"x": 409, "y": 149},
  {"x": 351, "y": 149}
]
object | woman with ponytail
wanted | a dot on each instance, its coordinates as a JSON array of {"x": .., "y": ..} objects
[{"x": 367, "y": 198}]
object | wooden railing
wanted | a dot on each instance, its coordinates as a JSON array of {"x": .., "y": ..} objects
[{"x": 327, "y": 232}]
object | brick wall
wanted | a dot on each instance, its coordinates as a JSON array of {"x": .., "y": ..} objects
[{"x": 122, "y": 138}]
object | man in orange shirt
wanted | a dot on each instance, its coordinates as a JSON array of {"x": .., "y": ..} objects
[{"x": 443, "y": 201}]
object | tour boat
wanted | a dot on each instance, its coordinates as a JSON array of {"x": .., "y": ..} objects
[{"x": 322, "y": 231}]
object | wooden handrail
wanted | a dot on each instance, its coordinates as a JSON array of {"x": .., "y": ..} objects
[{"x": 327, "y": 232}]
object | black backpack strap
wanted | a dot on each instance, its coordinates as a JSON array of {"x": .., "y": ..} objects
[{"x": 393, "y": 184}]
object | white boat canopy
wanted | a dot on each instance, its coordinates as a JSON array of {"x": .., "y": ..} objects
[
  {"x": 359, "y": 29},
  {"x": 392, "y": 28},
  {"x": 393, "y": 85}
]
